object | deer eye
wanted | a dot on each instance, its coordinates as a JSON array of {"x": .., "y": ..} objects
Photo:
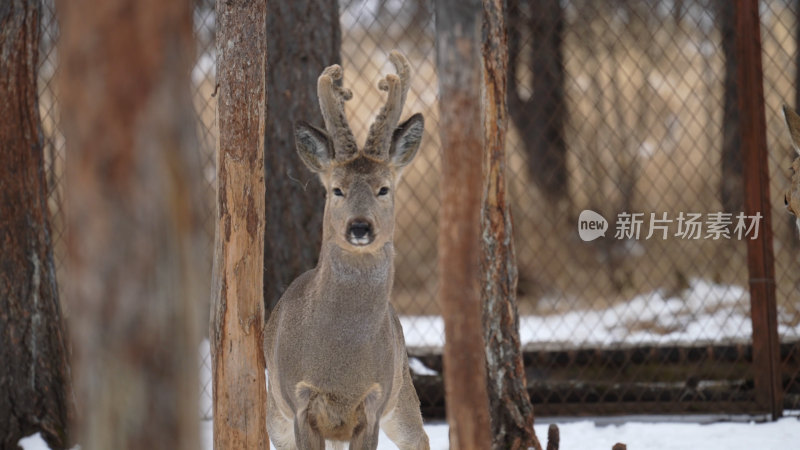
[
  {"x": 383, "y": 191},
  {"x": 338, "y": 192}
]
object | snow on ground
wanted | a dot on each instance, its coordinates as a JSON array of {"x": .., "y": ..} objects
[
  {"x": 780, "y": 435},
  {"x": 587, "y": 435},
  {"x": 703, "y": 313}
]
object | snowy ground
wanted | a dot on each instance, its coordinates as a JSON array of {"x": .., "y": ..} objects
[
  {"x": 587, "y": 435},
  {"x": 703, "y": 313}
]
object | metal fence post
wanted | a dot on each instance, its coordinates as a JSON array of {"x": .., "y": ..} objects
[{"x": 766, "y": 367}]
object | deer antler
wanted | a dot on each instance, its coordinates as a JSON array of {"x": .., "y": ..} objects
[
  {"x": 380, "y": 132},
  {"x": 331, "y": 101}
]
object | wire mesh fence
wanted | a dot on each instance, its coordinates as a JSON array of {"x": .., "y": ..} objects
[
  {"x": 780, "y": 23},
  {"x": 619, "y": 107}
]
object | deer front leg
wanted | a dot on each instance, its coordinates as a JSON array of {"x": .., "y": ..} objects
[
  {"x": 365, "y": 437},
  {"x": 403, "y": 425},
  {"x": 307, "y": 438},
  {"x": 365, "y": 434},
  {"x": 306, "y": 435},
  {"x": 279, "y": 427}
]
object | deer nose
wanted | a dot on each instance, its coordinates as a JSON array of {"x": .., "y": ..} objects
[{"x": 359, "y": 231}]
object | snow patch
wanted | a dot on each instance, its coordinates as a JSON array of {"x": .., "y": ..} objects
[
  {"x": 36, "y": 442},
  {"x": 703, "y": 313},
  {"x": 419, "y": 368}
]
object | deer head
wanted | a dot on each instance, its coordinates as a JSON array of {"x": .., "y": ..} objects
[
  {"x": 360, "y": 183},
  {"x": 792, "y": 196}
]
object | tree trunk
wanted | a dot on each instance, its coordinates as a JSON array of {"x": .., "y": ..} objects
[
  {"x": 510, "y": 406},
  {"x": 34, "y": 380},
  {"x": 135, "y": 243},
  {"x": 303, "y": 39},
  {"x": 239, "y": 392},
  {"x": 540, "y": 118},
  {"x": 458, "y": 36},
  {"x": 732, "y": 187}
]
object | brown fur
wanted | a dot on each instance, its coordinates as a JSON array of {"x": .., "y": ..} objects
[{"x": 334, "y": 347}]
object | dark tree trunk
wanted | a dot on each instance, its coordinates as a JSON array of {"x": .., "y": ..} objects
[
  {"x": 303, "y": 38},
  {"x": 731, "y": 187},
  {"x": 458, "y": 59},
  {"x": 135, "y": 242},
  {"x": 540, "y": 118},
  {"x": 510, "y": 406},
  {"x": 237, "y": 301},
  {"x": 34, "y": 371}
]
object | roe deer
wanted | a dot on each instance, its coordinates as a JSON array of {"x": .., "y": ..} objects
[
  {"x": 334, "y": 347},
  {"x": 792, "y": 196}
]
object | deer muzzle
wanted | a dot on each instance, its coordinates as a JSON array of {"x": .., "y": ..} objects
[{"x": 360, "y": 232}]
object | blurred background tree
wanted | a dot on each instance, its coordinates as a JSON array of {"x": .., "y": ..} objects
[
  {"x": 303, "y": 37},
  {"x": 135, "y": 243}
]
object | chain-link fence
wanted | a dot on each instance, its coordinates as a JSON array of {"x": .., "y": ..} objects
[
  {"x": 619, "y": 107},
  {"x": 780, "y": 22}
]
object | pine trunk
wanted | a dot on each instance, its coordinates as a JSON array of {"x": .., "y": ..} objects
[
  {"x": 303, "y": 39},
  {"x": 239, "y": 391},
  {"x": 510, "y": 406},
  {"x": 135, "y": 243},
  {"x": 34, "y": 380},
  {"x": 458, "y": 37}
]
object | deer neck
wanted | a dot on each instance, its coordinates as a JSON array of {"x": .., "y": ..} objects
[{"x": 355, "y": 282}]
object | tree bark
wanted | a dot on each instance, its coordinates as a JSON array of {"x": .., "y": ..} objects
[
  {"x": 303, "y": 39},
  {"x": 540, "y": 118},
  {"x": 458, "y": 36},
  {"x": 239, "y": 392},
  {"x": 135, "y": 242},
  {"x": 732, "y": 185},
  {"x": 34, "y": 380},
  {"x": 510, "y": 406}
]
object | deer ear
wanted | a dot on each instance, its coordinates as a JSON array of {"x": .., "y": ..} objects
[
  {"x": 793, "y": 123},
  {"x": 313, "y": 146},
  {"x": 406, "y": 139}
]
